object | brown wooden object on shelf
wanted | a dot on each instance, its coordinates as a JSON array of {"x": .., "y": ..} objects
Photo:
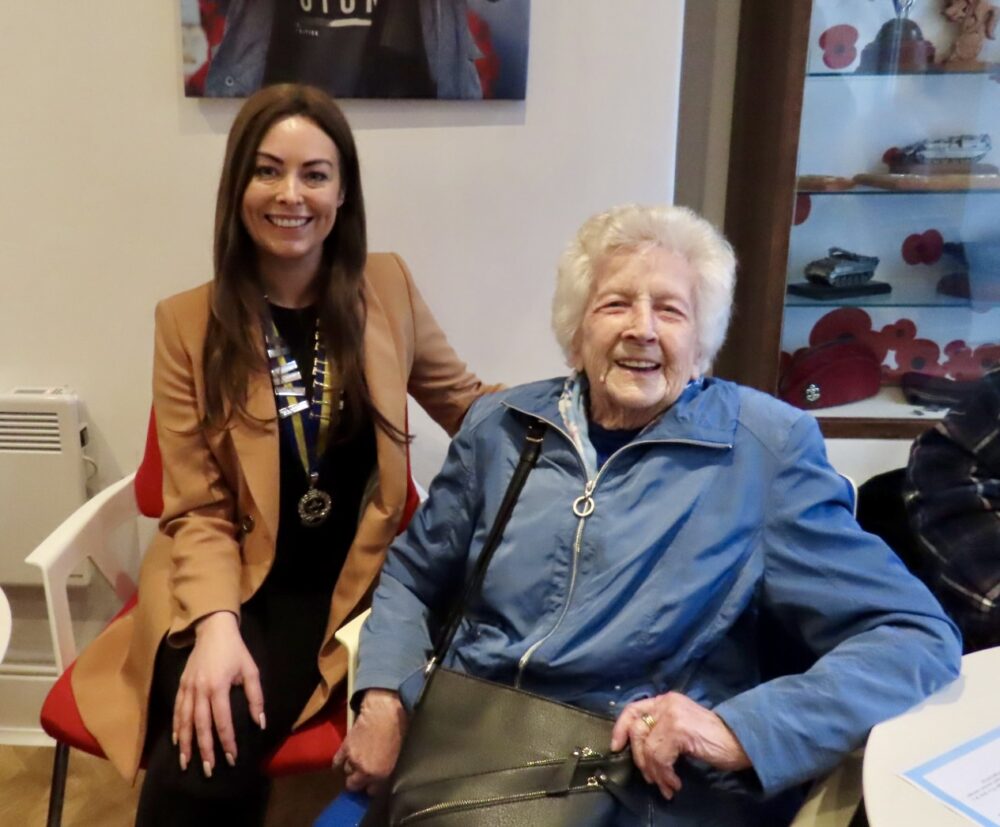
[
  {"x": 938, "y": 182},
  {"x": 977, "y": 20},
  {"x": 760, "y": 199},
  {"x": 824, "y": 183},
  {"x": 898, "y": 48},
  {"x": 943, "y": 168}
]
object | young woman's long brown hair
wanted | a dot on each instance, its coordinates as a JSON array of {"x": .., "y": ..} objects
[{"x": 233, "y": 345}]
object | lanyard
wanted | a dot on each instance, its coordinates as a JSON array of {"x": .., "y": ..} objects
[{"x": 306, "y": 421}]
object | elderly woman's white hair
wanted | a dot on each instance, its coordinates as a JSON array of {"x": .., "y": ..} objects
[{"x": 636, "y": 227}]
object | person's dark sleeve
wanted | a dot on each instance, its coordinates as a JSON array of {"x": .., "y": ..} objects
[{"x": 953, "y": 499}]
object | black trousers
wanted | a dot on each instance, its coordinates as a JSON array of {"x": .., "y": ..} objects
[{"x": 283, "y": 631}]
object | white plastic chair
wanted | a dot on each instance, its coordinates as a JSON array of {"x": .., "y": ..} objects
[
  {"x": 6, "y": 622},
  {"x": 833, "y": 801},
  {"x": 349, "y": 636},
  {"x": 105, "y": 531},
  {"x": 87, "y": 534}
]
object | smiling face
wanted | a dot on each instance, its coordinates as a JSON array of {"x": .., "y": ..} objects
[
  {"x": 290, "y": 204},
  {"x": 638, "y": 341}
]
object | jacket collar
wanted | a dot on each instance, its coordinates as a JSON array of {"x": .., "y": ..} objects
[{"x": 706, "y": 412}]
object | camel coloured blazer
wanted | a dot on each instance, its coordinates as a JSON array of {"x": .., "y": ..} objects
[{"x": 216, "y": 538}]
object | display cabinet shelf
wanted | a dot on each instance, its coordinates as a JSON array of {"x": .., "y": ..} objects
[
  {"x": 861, "y": 190},
  {"x": 887, "y": 415},
  {"x": 888, "y": 403},
  {"x": 993, "y": 69},
  {"x": 803, "y": 110},
  {"x": 903, "y": 294}
]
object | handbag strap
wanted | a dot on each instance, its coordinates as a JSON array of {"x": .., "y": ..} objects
[{"x": 529, "y": 456}]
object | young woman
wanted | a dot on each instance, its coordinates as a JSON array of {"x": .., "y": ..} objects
[{"x": 280, "y": 397}]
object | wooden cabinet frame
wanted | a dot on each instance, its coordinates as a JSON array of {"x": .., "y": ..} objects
[{"x": 760, "y": 201}]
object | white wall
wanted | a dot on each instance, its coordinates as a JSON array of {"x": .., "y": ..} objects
[
  {"x": 109, "y": 173},
  {"x": 708, "y": 74}
]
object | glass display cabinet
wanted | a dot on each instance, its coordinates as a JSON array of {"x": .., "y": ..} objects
[{"x": 864, "y": 205}]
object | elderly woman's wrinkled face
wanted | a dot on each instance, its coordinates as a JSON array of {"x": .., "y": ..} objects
[{"x": 638, "y": 342}]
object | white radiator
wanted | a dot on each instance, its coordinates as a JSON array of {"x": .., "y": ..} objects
[{"x": 42, "y": 476}]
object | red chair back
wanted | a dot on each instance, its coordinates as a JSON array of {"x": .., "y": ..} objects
[{"x": 149, "y": 476}]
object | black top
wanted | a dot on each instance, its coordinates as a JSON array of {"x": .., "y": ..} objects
[
  {"x": 372, "y": 50},
  {"x": 606, "y": 441},
  {"x": 310, "y": 559}
]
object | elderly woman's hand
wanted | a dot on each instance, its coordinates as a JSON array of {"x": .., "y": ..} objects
[
  {"x": 664, "y": 728},
  {"x": 371, "y": 747}
]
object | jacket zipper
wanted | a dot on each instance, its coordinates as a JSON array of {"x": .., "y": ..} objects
[
  {"x": 593, "y": 784},
  {"x": 583, "y": 507}
]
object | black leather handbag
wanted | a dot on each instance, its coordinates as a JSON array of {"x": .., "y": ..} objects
[{"x": 482, "y": 753}]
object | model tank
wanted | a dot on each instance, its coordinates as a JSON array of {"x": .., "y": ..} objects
[
  {"x": 841, "y": 268},
  {"x": 951, "y": 150}
]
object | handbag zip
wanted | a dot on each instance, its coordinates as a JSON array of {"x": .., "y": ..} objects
[
  {"x": 584, "y": 753},
  {"x": 593, "y": 784},
  {"x": 583, "y": 513}
]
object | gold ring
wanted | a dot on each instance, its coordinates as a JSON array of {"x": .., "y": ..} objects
[{"x": 648, "y": 720}]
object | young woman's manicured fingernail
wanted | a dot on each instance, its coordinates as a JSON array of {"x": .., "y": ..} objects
[
  {"x": 206, "y": 768},
  {"x": 173, "y": 737},
  {"x": 184, "y": 762},
  {"x": 230, "y": 760},
  {"x": 262, "y": 721}
]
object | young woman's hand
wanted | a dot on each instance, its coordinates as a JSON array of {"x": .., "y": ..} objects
[
  {"x": 219, "y": 661},
  {"x": 369, "y": 752}
]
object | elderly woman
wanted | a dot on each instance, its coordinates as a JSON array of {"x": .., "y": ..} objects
[{"x": 678, "y": 535}]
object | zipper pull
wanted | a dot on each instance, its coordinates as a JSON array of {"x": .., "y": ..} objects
[
  {"x": 583, "y": 506},
  {"x": 562, "y": 778}
]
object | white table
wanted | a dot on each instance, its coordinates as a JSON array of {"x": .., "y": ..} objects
[{"x": 962, "y": 710}]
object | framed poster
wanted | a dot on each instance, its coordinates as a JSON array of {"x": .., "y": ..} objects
[{"x": 451, "y": 49}]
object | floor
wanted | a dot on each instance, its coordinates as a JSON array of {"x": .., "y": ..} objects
[{"x": 97, "y": 795}]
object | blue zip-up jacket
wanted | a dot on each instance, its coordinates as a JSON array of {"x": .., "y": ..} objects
[{"x": 722, "y": 513}]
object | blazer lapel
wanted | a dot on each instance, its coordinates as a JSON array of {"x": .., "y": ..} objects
[{"x": 257, "y": 449}]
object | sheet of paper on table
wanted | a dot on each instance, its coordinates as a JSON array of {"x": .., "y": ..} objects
[{"x": 966, "y": 778}]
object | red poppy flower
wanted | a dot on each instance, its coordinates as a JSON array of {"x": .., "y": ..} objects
[
  {"x": 965, "y": 364},
  {"x": 838, "y": 45},
  {"x": 961, "y": 361},
  {"x": 890, "y": 155},
  {"x": 803, "y": 206},
  {"x": 899, "y": 331},
  {"x": 846, "y": 323},
  {"x": 842, "y": 323},
  {"x": 920, "y": 355},
  {"x": 988, "y": 357},
  {"x": 923, "y": 248}
]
